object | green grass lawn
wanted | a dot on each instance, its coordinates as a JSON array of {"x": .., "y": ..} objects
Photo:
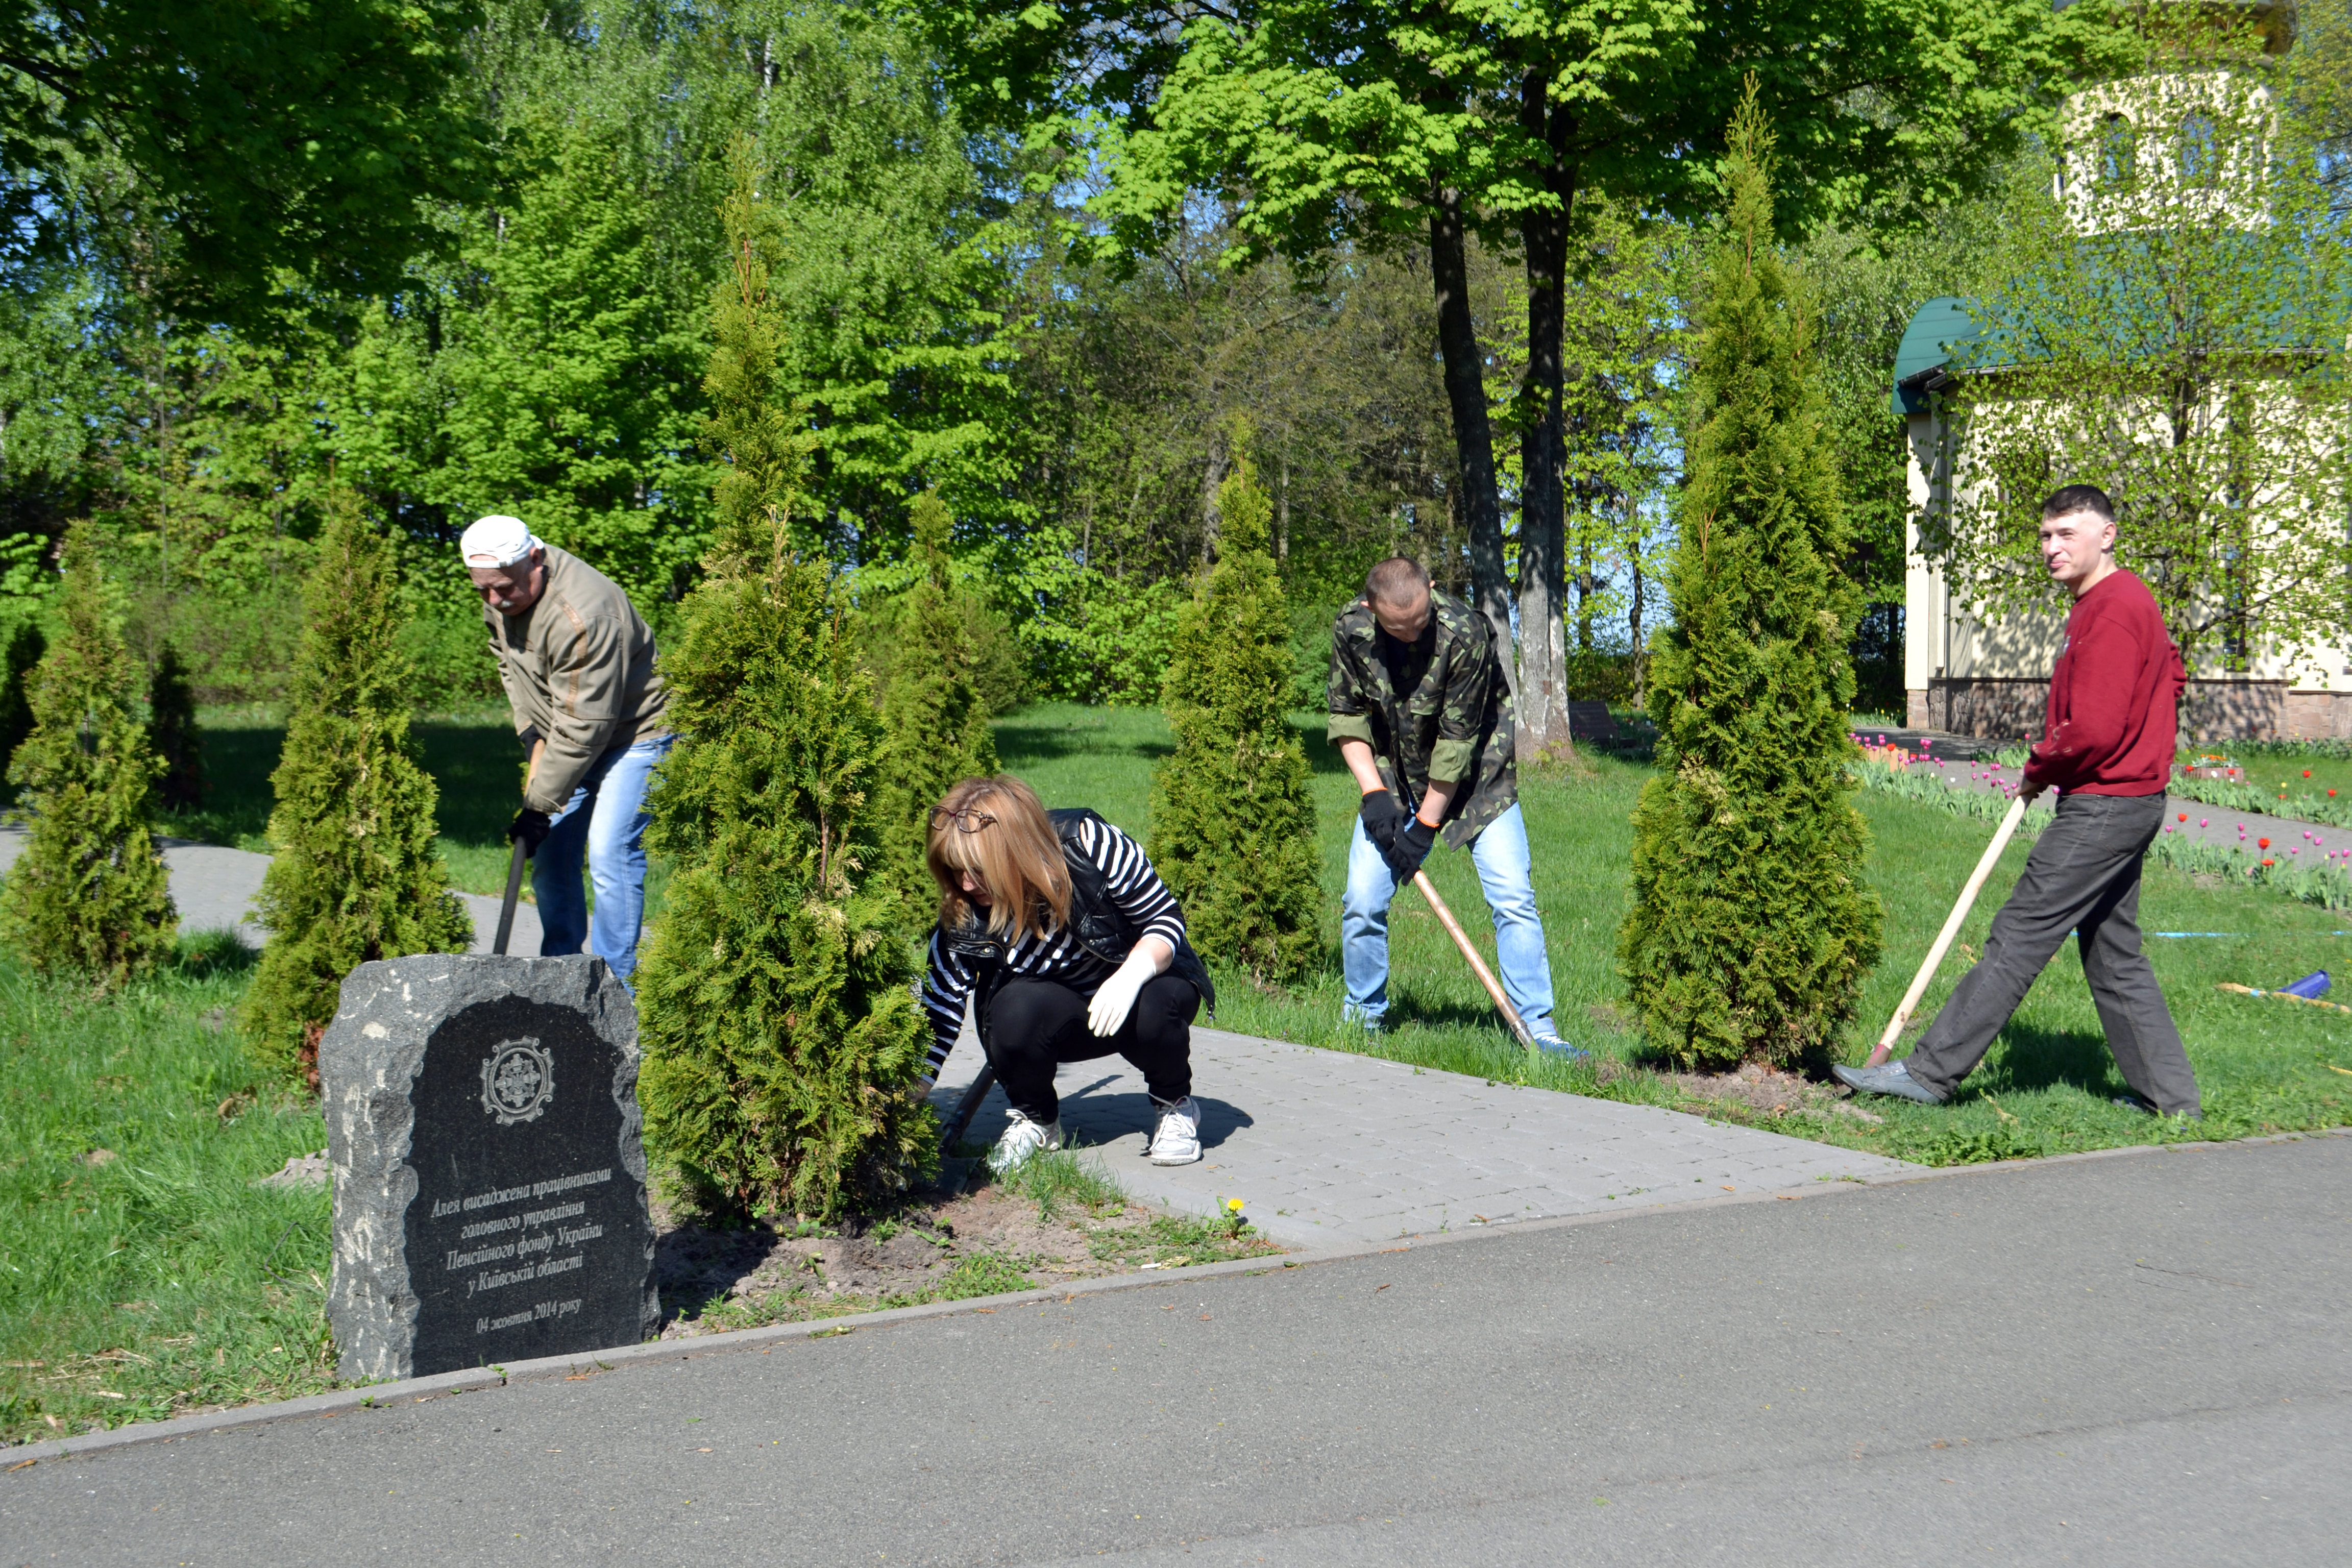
[
  {"x": 472, "y": 756},
  {"x": 141, "y": 1273},
  {"x": 2264, "y": 1064}
]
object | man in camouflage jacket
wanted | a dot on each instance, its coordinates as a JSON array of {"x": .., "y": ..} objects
[{"x": 1422, "y": 715}]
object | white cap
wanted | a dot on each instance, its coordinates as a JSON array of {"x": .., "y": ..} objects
[{"x": 497, "y": 541}]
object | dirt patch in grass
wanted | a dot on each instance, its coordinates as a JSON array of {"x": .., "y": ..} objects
[
  {"x": 1059, "y": 1220},
  {"x": 1768, "y": 1091}
]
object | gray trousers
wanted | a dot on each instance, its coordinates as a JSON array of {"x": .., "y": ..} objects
[{"x": 2083, "y": 875}]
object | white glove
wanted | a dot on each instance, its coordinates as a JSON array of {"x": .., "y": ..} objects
[{"x": 1116, "y": 999}]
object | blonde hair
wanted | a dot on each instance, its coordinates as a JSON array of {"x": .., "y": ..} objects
[{"x": 1017, "y": 856}]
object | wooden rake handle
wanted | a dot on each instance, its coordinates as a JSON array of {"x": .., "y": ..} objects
[
  {"x": 2015, "y": 815},
  {"x": 1477, "y": 965}
]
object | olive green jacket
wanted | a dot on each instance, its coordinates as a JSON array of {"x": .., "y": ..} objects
[
  {"x": 1451, "y": 724},
  {"x": 578, "y": 667}
]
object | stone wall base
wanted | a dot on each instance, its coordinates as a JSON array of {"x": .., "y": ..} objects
[{"x": 1994, "y": 708}]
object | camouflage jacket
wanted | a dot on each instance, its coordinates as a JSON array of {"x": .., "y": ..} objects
[{"x": 1446, "y": 716}]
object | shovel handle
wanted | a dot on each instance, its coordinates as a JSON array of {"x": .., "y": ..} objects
[
  {"x": 952, "y": 1132},
  {"x": 1992, "y": 857},
  {"x": 507, "y": 909},
  {"x": 1477, "y": 965}
]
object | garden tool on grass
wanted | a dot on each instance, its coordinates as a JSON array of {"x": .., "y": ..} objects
[
  {"x": 1478, "y": 965},
  {"x": 2002, "y": 835},
  {"x": 514, "y": 891}
]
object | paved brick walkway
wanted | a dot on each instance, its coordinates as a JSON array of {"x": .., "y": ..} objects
[
  {"x": 1325, "y": 1147},
  {"x": 215, "y": 888}
]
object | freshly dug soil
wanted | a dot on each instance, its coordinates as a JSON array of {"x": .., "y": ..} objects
[
  {"x": 940, "y": 1246},
  {"x": 1768, "y": 1091}
]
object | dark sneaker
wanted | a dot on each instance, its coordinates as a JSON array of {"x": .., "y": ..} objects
[{"x": 1894, "y": 1078}]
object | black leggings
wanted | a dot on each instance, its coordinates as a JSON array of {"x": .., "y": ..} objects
[{"x": 1035, "y": 1026}]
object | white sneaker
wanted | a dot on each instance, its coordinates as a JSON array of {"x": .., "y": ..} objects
[
  {"x": 1022, "y": 1139},
  {"x": 1177, "y": 1141}
]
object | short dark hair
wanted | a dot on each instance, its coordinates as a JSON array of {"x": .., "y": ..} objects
[
  {"x": 1399, "y": 580},
  {"x": 2079, "y": 498}
]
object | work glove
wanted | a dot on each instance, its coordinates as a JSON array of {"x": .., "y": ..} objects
[
  {"x": 1116, "y": 998},
  {"x": 1411, "y": 847},
  {"x": 1382, "y": 816},
  {"x": 532, "y": 828}
]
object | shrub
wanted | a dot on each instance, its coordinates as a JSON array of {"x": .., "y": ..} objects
[
  {"x": 171, "y": 731},
  {"x": 20, "y": 655},
  {"x": 1751, "y": 925},
  {"x": 357, "y": 873},
  {"x": 780, "y": 1033},
  {"x": 1233, "y": 822},
  {"x": 88, "y": 894}
]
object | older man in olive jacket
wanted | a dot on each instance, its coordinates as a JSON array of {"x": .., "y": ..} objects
[{"x": 577, "y": 661}]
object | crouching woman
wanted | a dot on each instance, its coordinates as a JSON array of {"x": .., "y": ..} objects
[{"x": 1069, "y": 947}]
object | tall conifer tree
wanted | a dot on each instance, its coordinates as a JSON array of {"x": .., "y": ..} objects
[
  {"x": 1751, "y": 925},
  {"x": 936, "y": 719},
  {"x": 171, "y": 731},
  {"x": 356, "y": 872},
  {"x": 780, "y": 1027},
  {"x": 1233, "y": 823},
  {"x": 89, "y": 895}
]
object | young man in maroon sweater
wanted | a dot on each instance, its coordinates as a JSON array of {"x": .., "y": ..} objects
[{"x": 2106, "y": 748}]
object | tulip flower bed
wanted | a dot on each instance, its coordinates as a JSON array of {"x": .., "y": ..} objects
[{"x": 2047, "y": 1086}]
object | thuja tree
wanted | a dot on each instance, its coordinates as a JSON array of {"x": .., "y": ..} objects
[
  {"x": 356, "y": 872},
  {"x": 88, "y": 897},
  {"x": 1752, "y": 926},
  {"x": 778, "y": 1024},
  {"x": 171, "y": 731},
  {"x": 934, "y": 712},
  {"x": 1233, "y": 823}
]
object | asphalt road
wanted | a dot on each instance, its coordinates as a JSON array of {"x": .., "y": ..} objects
[{"x": 2138, "y": 1360}]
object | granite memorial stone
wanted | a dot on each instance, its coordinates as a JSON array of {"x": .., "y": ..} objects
[{"x": 483, "y": 1129}]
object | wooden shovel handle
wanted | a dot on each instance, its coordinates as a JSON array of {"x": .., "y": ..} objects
[
  {"x": 1477, "y": 965},
  {"x": 2015, "y": 815}
]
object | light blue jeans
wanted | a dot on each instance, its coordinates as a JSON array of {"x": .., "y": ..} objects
[
  {"x": 1505, "y": 874},
  {"x": 603, "y": 822}
]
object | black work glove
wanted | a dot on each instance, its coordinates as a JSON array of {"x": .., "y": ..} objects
[
  {"x": 1411, "y": 847},
  {"x": 1382, "y": 816},
  {"x": 532, "y": 828}
]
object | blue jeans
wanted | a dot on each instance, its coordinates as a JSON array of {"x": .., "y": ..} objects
[
  {"x": 603, "y": 822},
  {"x": 1506, "y": 875}
]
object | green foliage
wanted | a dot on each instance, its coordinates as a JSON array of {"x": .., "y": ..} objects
[
  {"x": 88, "y": 896},
  {"x": 301, "y": 139},
  {"x": 171, "y": 731},
  {"x": 1752, "y": 928},
  {"x": 20, "y": 656},
  {"x": 928, "y": 662},
  {"x": 1233, "y": 820},
  {"x": 356, "y": 873},
  {"x": 780, "y": 1033}
]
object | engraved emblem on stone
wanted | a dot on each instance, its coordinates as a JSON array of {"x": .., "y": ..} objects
[{"x": 517, "y": 1080}]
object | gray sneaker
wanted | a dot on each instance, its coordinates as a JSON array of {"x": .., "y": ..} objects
[
  {"x": 1551, "y": 1045},
  {"x": 1894, "y": 1078}
]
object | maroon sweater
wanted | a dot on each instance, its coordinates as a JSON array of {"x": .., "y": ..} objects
[{"x": 2114, "y": 696}]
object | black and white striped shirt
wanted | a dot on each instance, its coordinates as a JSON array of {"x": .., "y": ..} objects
[{"x": 1054, "y": 955}]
